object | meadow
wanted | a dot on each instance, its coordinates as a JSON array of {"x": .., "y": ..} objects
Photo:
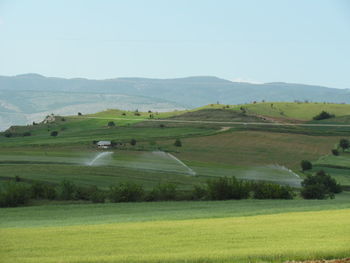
[
  {"x": 183, "y": 231},
  {"x": 225, "y": 231}
]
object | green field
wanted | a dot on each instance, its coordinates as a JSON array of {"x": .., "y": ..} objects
[
  {"x": 226, "y": 231},
  {"x": 183, "y": 231},
  {"x": 290, "y": 110}
]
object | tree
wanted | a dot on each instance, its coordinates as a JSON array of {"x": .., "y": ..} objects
[
  {"x": 54, "y": 133},
  {"x": 319, "y": 186},
  {"x": 79, "y": 114},
  {"x": 344, "y": 144},
  {"x": 177, "y": 143},
  {"x": 133, "y": 142},
  {"x": 323, "y": 115},
  {"x": 335, "y": 152},
  {"x": 111, "y": 124},
  {"x": 306, "y": 165}
]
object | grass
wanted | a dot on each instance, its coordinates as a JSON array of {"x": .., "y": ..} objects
[
  {"x": 254, "y": 148},
  {"x": 57, "y": 214},
  {"x": 262, "y": 238},
  {"x": 336, "y": 166}
]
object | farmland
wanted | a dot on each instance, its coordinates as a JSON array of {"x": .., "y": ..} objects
[
  {"x": 234, "y": 231},
  {"x": 176, "y": 231}
]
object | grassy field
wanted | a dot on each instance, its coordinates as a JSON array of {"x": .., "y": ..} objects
[
  {"x": 254, "y": 148},
  {"x": 288, "y": 110},
  {"x": 230, "y": 231},
  {"x": 224, "y": 231}
]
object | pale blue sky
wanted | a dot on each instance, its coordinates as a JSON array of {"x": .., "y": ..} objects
[{"x": 303, "y": 41}]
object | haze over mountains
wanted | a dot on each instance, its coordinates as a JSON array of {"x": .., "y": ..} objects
[{"x": 30, "y": 97}]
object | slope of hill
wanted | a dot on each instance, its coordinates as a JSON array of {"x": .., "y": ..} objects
[{"x": 174, "y": 93}]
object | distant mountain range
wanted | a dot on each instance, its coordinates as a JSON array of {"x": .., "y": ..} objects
[{"x": 29, "y": 97}]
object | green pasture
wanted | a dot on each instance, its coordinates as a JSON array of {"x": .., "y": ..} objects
[
  {"x": 255, "y": 238},
  {"x": 143, "y": 167},
  {"x": 59, "y": 213},
  {"x": 84, "y": 135}
]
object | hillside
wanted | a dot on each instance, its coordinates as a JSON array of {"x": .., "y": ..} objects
[{"x": 25, "y": 98}]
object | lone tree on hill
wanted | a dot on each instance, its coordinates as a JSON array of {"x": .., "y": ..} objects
[
  {"x": 177, "y": 143},
  {"x": 306, "y": 165},
  {"x": 344, "y": 144}
]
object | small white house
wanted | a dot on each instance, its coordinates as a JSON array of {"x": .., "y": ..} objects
[{"x": 104, "y": 144}]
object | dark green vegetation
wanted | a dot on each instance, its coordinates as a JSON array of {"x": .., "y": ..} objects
[{"x": 16, "y": 193}]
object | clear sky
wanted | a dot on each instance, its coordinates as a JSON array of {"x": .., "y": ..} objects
[{"x": 301, "y": 41}]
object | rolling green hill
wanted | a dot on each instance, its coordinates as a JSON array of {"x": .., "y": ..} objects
[{"x": 288, "y": 110}]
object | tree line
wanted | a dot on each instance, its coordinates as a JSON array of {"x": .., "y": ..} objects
[{"x": 318, "y": 186}]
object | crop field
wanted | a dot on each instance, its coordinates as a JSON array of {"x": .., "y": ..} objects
[
  {"x": 228, "y": 231},
  {"x": 144, "y": 167},
  {"x": 241, "y": 231},
  {"x": 254, "y": 148}
]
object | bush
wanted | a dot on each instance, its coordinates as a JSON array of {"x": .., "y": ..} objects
[
  {"x": 177, "y": 143},
  {"x": 306, "y": 165},
  {"x": 111, "y": 124},
  {"x": 40, "y": 190},
  {"x": 316, "y": 191},
  {"x": 54, "y": 133},
  {"x": 320, "y": 186},
  {"x": 323, "y": 115},
  {"x": 126, "y": 192},
  {"x": 14, "y": 194},
  {"x": 199, "y": 193},
  {"x": 335, "y": 152},
  {"x": 27, "y": 133},
  {"x": 344, "y": 144},
  {"x": 163, "y": 192},
  {"x": 225, "y": 188},
  {"x": 67, "y": 191},
  {"x": 264, "y": 190},
  {"x": 133, "y": 142}
]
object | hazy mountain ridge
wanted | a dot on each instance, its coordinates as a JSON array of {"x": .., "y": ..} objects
[{"x": 28, "y": 96}]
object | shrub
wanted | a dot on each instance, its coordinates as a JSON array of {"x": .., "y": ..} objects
[
  {"x": 67, "y": 191},
  {"x": 323, "y": 115},
  {"x": 40, "y": 190},
  {"x": 306, "y": 165},
  {"x": 14, "y": 194},
  {"x": 54, "y": 133},
  {"x": 79, "y": 114},
  {"x": 162, "y": 125},
  {"x": 126, "y": 192},
  {"x": 111, "y": 124},
  {"x": 199, "y": 193},
  {"x": 316, "y": 191},
  {"x": 225, "y": 188},
  {"x": 8, "y": 134},
  {"x": 163, "y": 192},
  {"x": 98, "y": 196},
  {"x": 335, "y": 152},
  {"x": 344, "y": 144},
  {"x": 263, "y": 190},
  {"x": 177, "y": 143},
  {"x": 320, "y": 186},
  {"x": 133, "y": 142},
  {"x": 27, "y": 133}
]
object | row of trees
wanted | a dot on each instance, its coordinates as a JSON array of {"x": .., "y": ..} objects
[{"x": 223, "y": 188}]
